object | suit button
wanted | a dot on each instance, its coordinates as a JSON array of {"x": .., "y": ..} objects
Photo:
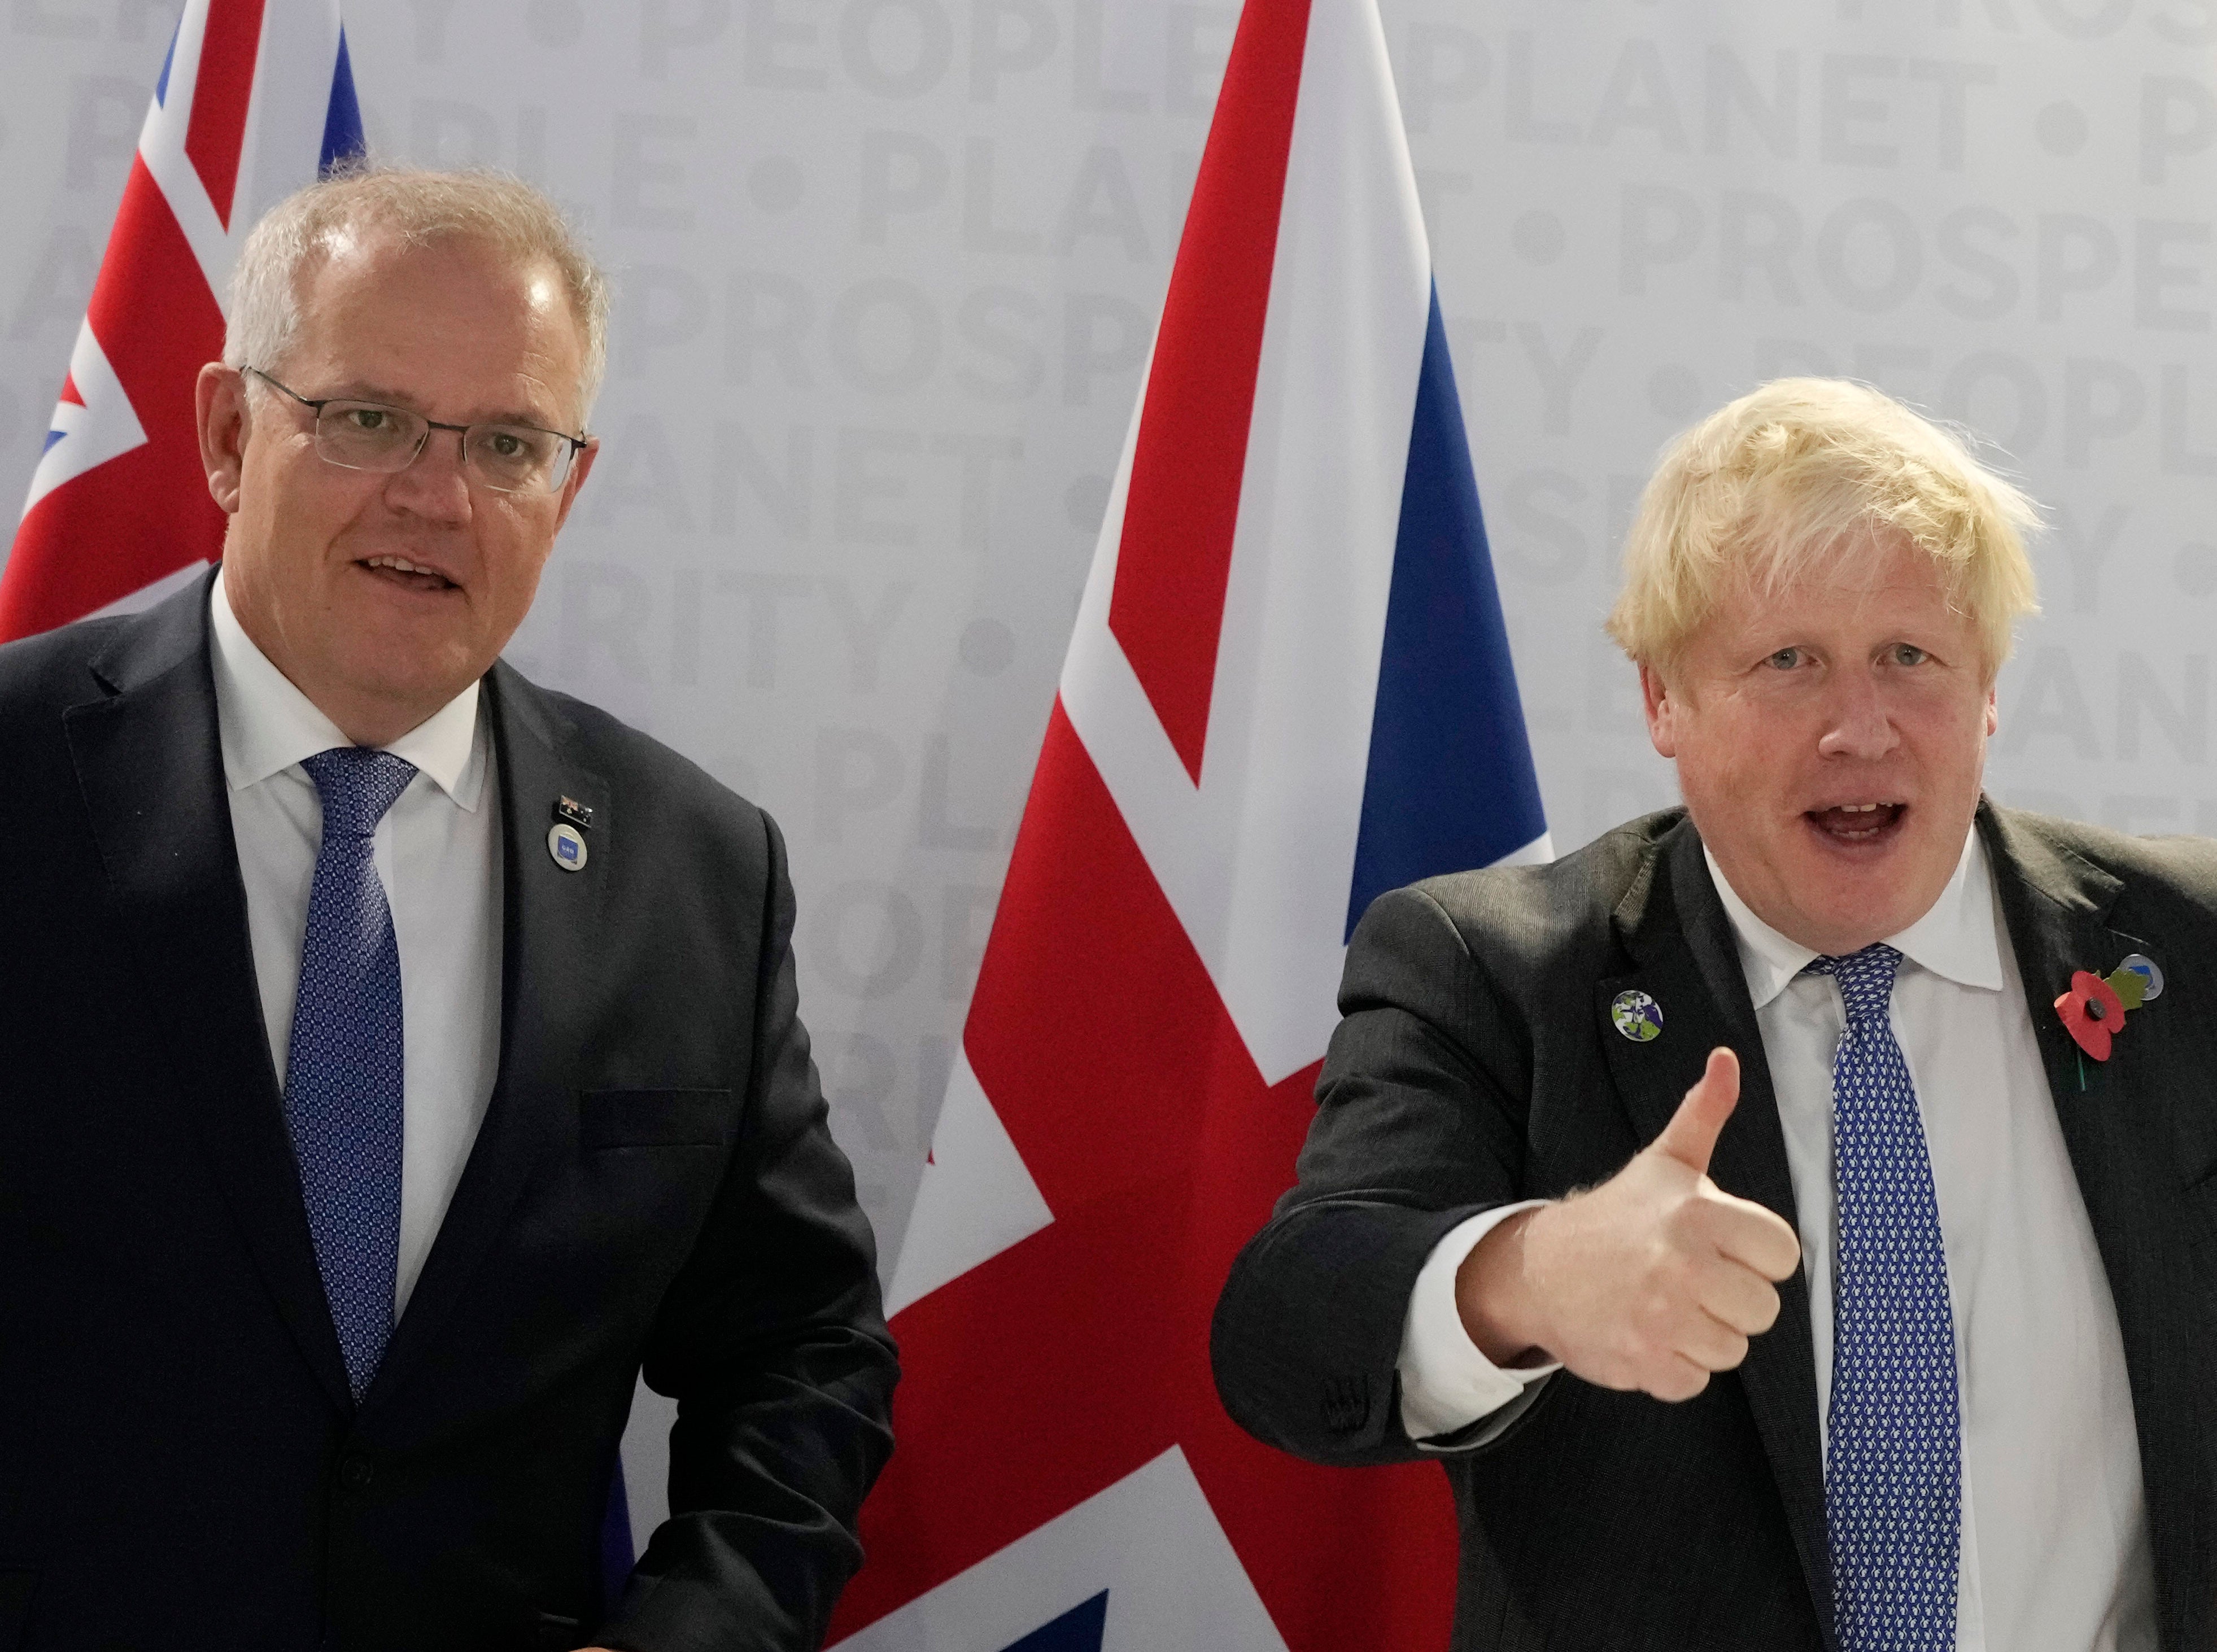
[{"x": 356, "y": 1474}]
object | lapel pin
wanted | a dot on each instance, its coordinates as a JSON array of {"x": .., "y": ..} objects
[
  {"x": 565, "y": 838},
  {"x": 2144, "y": 966},
  {"x": 1636, "y": 1015},
  {"x": 2093, "y": 1012}
]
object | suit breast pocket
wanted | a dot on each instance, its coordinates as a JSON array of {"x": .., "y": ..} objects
[{"x": 614, "y": 1118}]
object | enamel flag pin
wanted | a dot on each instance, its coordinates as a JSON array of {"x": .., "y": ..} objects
[{"x": 565, "y": 838}]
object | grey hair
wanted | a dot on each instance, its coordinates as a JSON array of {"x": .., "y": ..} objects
[{"x": 424, "y": 208}]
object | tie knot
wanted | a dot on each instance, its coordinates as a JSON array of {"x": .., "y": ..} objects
[
  {"x": 357, "y": 784},
  {"x": 1866, "y": 978}
]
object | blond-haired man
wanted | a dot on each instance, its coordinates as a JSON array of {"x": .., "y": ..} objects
[
  {"x": 1730, "y": 1205},
  {"x": 399, "y": 1056}
]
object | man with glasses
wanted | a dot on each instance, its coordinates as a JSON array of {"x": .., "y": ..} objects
[
  {"x": 399, "y": 1057},
  {"x": 370, "y": 436}
]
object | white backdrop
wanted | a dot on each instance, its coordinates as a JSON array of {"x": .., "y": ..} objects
[{"x": 887, "y": 270}]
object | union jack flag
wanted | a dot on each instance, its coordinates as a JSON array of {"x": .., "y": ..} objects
[
  {"x": 1289, "y": 689},
  {"x": 256, "y": 97}
]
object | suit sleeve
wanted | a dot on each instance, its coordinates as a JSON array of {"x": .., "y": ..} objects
[
  {"x": 773, "y": 1341},
  {"x": 1419, "y": 1126}
]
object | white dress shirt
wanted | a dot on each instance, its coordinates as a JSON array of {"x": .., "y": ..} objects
[
  {"x": 437, "y": 851},
  {"x": 2055, "y": 1553}
]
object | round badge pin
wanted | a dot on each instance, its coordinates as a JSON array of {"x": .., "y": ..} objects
[
  {"x": 2144, "y": 966},
  {"x": 565, "y": 845},
  {"x": 1638, "y": 1017}
]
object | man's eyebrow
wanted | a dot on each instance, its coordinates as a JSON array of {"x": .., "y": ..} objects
[
  {"x": 357, "y": 390},
  {"x": 360, "y": 389}
]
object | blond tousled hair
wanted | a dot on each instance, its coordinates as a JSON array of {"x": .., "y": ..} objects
[
  {"x": 1805, "y": 469},
  {"x": 424, "y": 208}
]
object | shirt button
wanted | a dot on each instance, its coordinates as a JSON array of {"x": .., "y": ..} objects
[{"x": 356, "y": 1474}]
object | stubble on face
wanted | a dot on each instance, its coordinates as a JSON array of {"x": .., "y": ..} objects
[
  {"x": 1830, "y": 738},
  {"x": 382, "y": 597}
]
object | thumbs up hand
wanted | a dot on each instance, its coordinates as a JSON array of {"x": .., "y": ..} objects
[{"x": 1650, "y": 1281}]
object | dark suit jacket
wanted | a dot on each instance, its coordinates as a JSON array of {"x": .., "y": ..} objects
[
  {"x": 181, "y": 1463},
  {"x": 1476, "y": 1065}
]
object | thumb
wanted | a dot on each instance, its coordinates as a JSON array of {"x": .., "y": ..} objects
[{"x": 1691, "y": 1135}]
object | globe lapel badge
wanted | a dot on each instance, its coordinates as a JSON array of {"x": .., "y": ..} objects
[{"x": 1636, "y": 1015}]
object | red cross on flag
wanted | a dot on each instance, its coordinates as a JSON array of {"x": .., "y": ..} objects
[
  {"x": 1288, "y": 690},
  {"x": 255, "y": 98}
]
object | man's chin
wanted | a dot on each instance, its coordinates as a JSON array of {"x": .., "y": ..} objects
[
  {"x": 1844, "y": 909},
  {"x": 409, "y": 643},
  {"x": 426, "y": 681}
]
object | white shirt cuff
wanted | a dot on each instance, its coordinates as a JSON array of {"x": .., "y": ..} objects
[{"x": 1446, "y": 1383}]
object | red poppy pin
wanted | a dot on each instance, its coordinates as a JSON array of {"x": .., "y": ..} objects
[{"x": 2094, "y": 1010}]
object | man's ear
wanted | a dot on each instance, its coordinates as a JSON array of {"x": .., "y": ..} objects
[
  {"x": 1993, "y": 713},
  {"x": 219, "y": 406},
  {"x": 1661, "y": 709}
]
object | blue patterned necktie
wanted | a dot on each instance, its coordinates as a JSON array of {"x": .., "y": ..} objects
[
  {"x": 1893, "y": 1470},
  {"x": 343, "y": 1075}
]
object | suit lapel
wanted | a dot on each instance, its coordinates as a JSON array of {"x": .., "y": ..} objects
[
  {"x": 1685, "y": 957},
  {"x": 2119, "y": 1131},
  {"x": 149, "y": 762},
  {"x": 551, "y": 924}
]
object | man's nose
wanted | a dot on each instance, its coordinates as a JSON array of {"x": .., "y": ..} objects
[
  {"x": 1857, "y": 723},
  {"x": 437, "y": 485}
]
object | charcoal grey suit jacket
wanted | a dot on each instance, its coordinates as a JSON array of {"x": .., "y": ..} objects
[
  {"x": 182, "y": 1464},
  {"x": 1477, "y": 1065}
]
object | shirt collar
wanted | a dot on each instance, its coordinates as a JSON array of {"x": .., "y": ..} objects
[
  {"x": 268, "y": 724},
  {"x": 1959, "y": 938}
]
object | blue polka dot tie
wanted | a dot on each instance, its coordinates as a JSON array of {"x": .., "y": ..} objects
[
  {"x": 343, "y": 1074},
  {"x": 1893, "y": 1469}
]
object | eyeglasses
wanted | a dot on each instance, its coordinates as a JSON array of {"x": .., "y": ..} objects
[{"x": 371, "y": 436}]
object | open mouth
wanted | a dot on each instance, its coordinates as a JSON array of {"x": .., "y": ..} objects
[
  {"x": 398, "y": 570},
  {"x": 1853, "y": 824}
]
